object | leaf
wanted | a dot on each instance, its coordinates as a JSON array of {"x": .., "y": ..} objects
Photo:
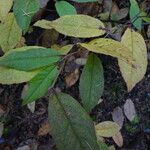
[
  {"x": 5, "y": 6},
  {"x": 62, "y": 50},
  {"x": 31, "y": 107},
  {"x": 136, "y": 44},
  {"x": 81, "y": 26},
  {"x": 24, "y": 11},
  {"x": 70, "y": 124},
  {"x": 84, "y": 1},
  {"x": 39, "y": 85},
  {"x": 102, "y": 146},
  {"x": 91, "y": 82},
  {"x": 11, "y": 33},
  {"x": 112, "y": 147},
  {"x": 145, "y": 17},
  {"x": 107, "y": 129},
  {"x": 44, "y": 129},
  {"x": 29, "y": 58},
  {"x": 81, "y": 61},
  {"x": 109, "y": 47},
  {"x": 12, "y": 76},
  {"x": 118, "y": 116},
  {"x": 72, "y": 78},
  {"x": 129, "y": 109},
  {"x": 65, "y": 8},
  {"x": 135, "y": 14},
  {"x": 118, "y": 139},
  {"x": 120, "y": 14}
]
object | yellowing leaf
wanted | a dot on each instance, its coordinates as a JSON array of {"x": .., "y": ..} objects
[
  {"x": 5, "y": 6},
  {"x": 62, "y": 50},
  {"x": 11, "y": 76},
  {"x": 109, "y": 47},
  {"x": 107, "y": 129},
  {"x": 81, "y": 26},
  {"x": 11, "y": 33},
  {"x": 136, "y": 44}
]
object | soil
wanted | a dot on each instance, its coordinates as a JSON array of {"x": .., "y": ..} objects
[{"x": 22, "y": 126}]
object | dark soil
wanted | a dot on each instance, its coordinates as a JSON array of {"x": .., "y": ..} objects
[{"x": 21, "y": 126}]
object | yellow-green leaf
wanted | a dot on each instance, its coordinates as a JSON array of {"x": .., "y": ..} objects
[
  {"x": 136, "y": 44},
  {"x": 11, "y": 76},
  {"x": 81, "y": 26},
  {"x": 109, "y": 47},
  {"x": 11, "y": 33},
  {"x": 107, "y": 129},
  {"x": 5, "y": 6},
  {"x": 63, "y": 50}
]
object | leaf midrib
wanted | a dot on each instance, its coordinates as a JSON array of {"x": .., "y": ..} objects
[{"x": 69, "y": 122}]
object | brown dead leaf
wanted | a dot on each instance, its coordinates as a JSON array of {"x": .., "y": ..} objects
[
  {"x": 118, "y": 139},
  {"x": 118, "y": 116},
  {"x": 44, "y": 129},
  {"x": 93, "y": 8},
  {"x": 72, "y": 78},
  {"x": 129, "y": 109}
]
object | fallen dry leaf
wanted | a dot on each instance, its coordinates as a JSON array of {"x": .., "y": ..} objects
[
  {"x": 72, "y": 78},
  {"x": 118, "y": 116},
  {"x": 31, "y": 106},
  {"x": 118, "y": 139},
  {"x": 129, "y": 109},
  {"x": 44, "y": 129}
]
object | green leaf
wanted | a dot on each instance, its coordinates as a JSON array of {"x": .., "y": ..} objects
[
  {"x": 12, "y": 76},
  {"x": 29, "y": 58},
  {"x": 145, "y": 17},
  {"x": 109, "y": 47},
  {"x": 84, "y": 1},
  {"x": 103, "y": 146},
  {"x": 5, "y": 6},
  {"x": 91, "y": 82},
  {"x": 11, "y": 33},
  {"x": 65, "y": 8},
  {"x": 24, "y": 11},
  {"x": 39, "y": 85},
  {"x": 81, "y": 26},
  {"x": 135, "y": 14},
  {"x": 71, "y": 127}
]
